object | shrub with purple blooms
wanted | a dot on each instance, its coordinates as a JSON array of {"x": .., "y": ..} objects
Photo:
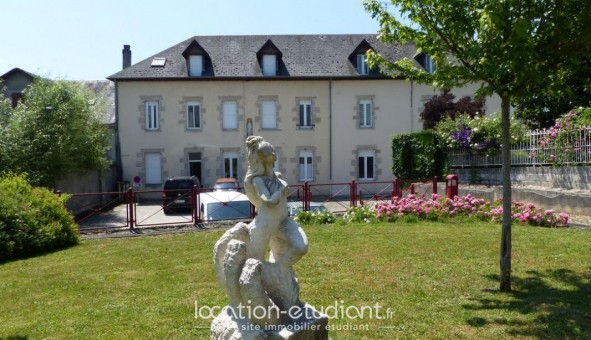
[{"x": 439, "y": 208}]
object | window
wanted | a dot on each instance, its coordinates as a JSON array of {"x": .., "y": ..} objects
[
  {"x": 365, "y": 114},
  {"x": 362, "y": 64},
  {"x": 426, "y": 61},
  {"x": 195, "y": 165},
  {"x": 269, "y": 64},
  {"x": 276, "y": 165},
  {"x": 158, "y": 62},
  {"x": 193, "y": 115},
  {"x": 269, "y": 115},
  {"x": 306, "y": 166},
  {"x": 366, "y": 165},
  {"x": 231, "y": 164},
  {"x": 230, "y": 115},
  {"x": 305, "y": 114},
  {"x": 195, "y": 65},
  {"x": 153, "y": 168},
  {"x": 152, "y": 116},
  {"x": 16, "y": 98}
]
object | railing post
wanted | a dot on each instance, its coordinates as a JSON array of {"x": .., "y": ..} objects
[
  {"x": 306, "y": 197},
  {"x": 435, "y": 185},
  {"x": 195, "y": 204},
  {"x": 412, "y": 189},
  {"x": 130, "y": 217},
  {"x": 353, "y": 194}
]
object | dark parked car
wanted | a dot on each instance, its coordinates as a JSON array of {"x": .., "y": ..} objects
[{"x": 176, "y": 194}]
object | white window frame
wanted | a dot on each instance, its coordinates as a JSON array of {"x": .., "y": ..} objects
[
  {"x": 362, "y": 67},
  {"x": 365, "y": 113},
  {"x": 192, "y": 123},
  {"x": 152, "y": 115},
  {"x": 153, "y": 166},
  {"x": 306, "y": 166},
  {"x": 268, "y": 114},
  {"x": 231, "y": 164},
  {"x": 305, "y": 114},
  {"x": 195, "y": 65},
  {"x": 269, "y": 65},
  {"x": 362, "y": 163},
  {"x": 230, "y": 115}
]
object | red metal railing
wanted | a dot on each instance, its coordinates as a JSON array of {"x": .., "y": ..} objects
[{"x": 147, "y": 207}]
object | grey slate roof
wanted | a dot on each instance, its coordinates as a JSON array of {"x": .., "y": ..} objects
[
  {"x": 319, "y": 56},
  {"x": 104, "y": 89}
]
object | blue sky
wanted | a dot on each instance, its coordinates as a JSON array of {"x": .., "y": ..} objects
[{"x": 82, "y": 39}]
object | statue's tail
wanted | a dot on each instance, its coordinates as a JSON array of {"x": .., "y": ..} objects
[{"x": 229, "y": 255}]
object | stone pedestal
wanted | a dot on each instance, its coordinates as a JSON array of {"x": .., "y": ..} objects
[{"x": 312, "y": 325}]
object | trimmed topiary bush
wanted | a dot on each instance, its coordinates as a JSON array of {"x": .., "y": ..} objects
[
  {"x": 32, "y": 220},
  {"x": 418, "y": 155}
]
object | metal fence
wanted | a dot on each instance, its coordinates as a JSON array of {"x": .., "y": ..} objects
[
  {"x": 540, "y": 147},
  {"x": 140, "y": 208}
]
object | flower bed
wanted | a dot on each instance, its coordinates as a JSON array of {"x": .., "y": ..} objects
[{"x": 439, "y": 208}]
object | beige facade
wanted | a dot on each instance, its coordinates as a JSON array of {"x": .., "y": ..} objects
[{"x": 332, "y": 150}]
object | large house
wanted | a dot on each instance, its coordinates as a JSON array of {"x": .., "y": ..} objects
[{"x": 188, "y": 109}]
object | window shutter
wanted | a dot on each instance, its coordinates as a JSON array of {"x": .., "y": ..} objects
[
  {"x": 230, "y": 115},
  {"x": 195, "y": 65},
  {"x": 302, "y": 112},
  {"x": 153, "y": 168},
  {"x": 151, "y": 115},
  {"x": 269, "y": 119},
  {"x": 269, "y": 65},
  {"x": 368, "y": 115}
]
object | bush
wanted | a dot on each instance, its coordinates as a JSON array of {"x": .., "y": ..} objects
[
  {"x": 418, "y": 155},
  {"x": 478, "y": 134},
  {"x": 32, "y": 220},
  {"x": 315, "y": 217}
]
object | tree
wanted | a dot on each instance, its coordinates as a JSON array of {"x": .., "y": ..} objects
[
  {"x": 57, "y": 131},
  {"x": 5, "y": 112},
  {"x": 508, "y": 47},
  {"x": 544, "y": 105},
  {"x": 442, "y": 105}
]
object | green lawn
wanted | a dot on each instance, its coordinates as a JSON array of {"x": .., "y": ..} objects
[{"x": 439, "y": 280}]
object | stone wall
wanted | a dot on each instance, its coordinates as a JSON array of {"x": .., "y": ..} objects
[{"x": 564, "y": 177}]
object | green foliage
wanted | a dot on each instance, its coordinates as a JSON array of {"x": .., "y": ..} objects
[
  {"x": 477, "y": 134},
  {"x": 363, "y": 214},
  {"x": 32, "y": 220},
  {"x": 315, "y": 217},
  {"x": 418, "y": 155},
  {"x": 564, "y": 143},
  {"x": 442, "y": 106},
  {"x": 57, "y": 131}
]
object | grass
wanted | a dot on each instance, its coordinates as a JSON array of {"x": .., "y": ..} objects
[{"x": 439, "y": 280}]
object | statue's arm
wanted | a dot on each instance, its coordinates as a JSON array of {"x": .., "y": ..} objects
[{"x": 264, "y": 194}]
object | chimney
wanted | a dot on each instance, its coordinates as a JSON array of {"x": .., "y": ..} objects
[{"x": 126, "y": 56}]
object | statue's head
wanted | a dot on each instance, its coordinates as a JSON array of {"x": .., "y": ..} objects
[{"x": 260, "y": 154}]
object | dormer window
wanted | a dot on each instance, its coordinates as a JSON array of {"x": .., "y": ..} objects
[
  {"x": 426, "y": 62},
  {"x": 362, "y": 64},
  {"x": 195, "y": 65},
  {"x": 269, "y": 65},
  {"x": 270, "y": 60},
  {"x": 358, "y": 59},
  {"x": 198, "y": 61}
]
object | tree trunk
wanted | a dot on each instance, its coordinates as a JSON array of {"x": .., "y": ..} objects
[{"x": 507, "y": 216}]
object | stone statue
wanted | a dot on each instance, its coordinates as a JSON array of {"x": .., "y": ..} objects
[{"x": 264, "y": 294}]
